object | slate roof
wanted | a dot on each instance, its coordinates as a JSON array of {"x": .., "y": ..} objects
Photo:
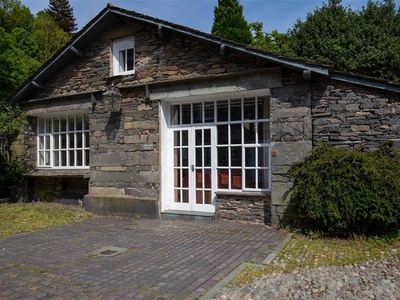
[{"x": 115, "y": 16}]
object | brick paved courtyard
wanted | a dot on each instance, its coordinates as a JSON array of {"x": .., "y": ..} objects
[{"x": 164, "y": 259}]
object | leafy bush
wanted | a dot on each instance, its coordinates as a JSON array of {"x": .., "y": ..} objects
[{"x": 339, "y": 190}]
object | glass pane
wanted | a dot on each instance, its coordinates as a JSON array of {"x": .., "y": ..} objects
[
  {"x": 71, "y": 140},
  {"x": 263, "y": 179},
  {"x": 79, "y": 141},
  {"x": 177, "y": 138},
  {"x": 236, "y": 156},
  {"x": 122, "y": 61},
  {"x": 47, "y": 158},
  {"x": 71, "y": 123},
  {"x": 186, "y": 112},
  {"x": 199, "y": 179},
  {"x": 63, "y": 141},
  {"x": 236, "y": 109},
  {"x": 208, "y": 112},
  {"x": 56, "y": 159},
  {"x": 263, "y": 157},
  {"x": 177, "y": 177},
  {"x": 222, "y": 134},
  {"x": 222, "y": 111},
  {"x": 177, "y": 157},
  {"x": 130, "y": 59},
  {"x": 207, "y": 178},
  {"x": 86, "y": 139},
  {"x": 71, "y": 154},
  {"x": 63, "y": 124},
  {"x": 199, "y": 197},
  {"x": 185, "y": 138},
  {"x": 250, "y": 179},
  {"x": 185, "y": 158},
  {"x": 63, "y": 158},
  {"x": 79, "y": 122},
  {"x": 56, "y": 125},
  {"x": 79, "y": 158},
  {"x": 185, "y": 196},
  {"x": 263, "y": 108},
  {"x": 185, "y": 178},
  {"x": 199, "y": 157},
  {"x": 41, "y": 142},
  {"x": 249, "y": 133},
  {"x": 198, "y": 113},
  {"x": 236, "y": 179},
  {"x": 47, "y": 142},
  {"x": 223, "y": 179},
  {"x": 223, "y": 158},
  {"x": 177, "y": 196},
  {"x": 56, "y": 142},
  {"x": 41, "y": 158},
  {"x": 207, "y": 137},
  {"x": 207, "y": 197},
  {"x": 236, "y": 134},
  {"x": 41, "y": 125},
  {"x": 86, "y": 123},
  {"x": 198, "y": 137},
  {"x": 49, "y": 124},
  {"x": 249, "y": 109},
  {"x": 250, "y": 156},
  {"x": 86, "y": 157},
  {"x": 263, "y": 132},
  {"x": 175, "y": 114},
  {"x": 207, "y": 156}
]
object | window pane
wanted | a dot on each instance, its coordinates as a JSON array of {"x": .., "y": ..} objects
[
  {"x": 263, "y": 108},
  {"x": 185, "y": 138},
  {"x": 49, "y": 123},
  {"x": 198, "y": 137},
  {"x": 250, "y": 157},
  {"x": 56, "y": 125},
  {"x": 207, "y": 178},
  {"x": 175, "y": 114},
  {"x": 122, "y": 61},
  {"x": 250, "y": 179},
  {"x": 222, "y": 111},
  {"x": 249, "y": 133},
  {"x": 79, "y": 158},
  {"x": 198, "y": 113},
  {"x": 47, "y": 142},
  {"x": 223, "y": 179},
  {"x": 185, "y": 160},
  {"x": 177, "y": 138},
  {"x": 222, "y": 156},
  {"x": 208, "y": 112},
  {"x": 130, "y": 59},
  {"x": 41, "y": 125},
  {"x": 236, "y": 179},
  {"x": 199, "y": 179},
  {"x": 177, "y": 177},
  {"x": 71, "y": 155},
  {"x": 207, "y": 156},
  {"x": 236, "y": 134},
  {"x": 86, "y": 157},
  {"x": 79, "y": 142},
  {"x": 207, "y": 197},
  {"x": 64, "y": 158},
  {"x": 185, "y": 196},
  {"x": 56, "y": 159},
  {"x": 222, "y": 134},
  {"x": 236, "y": 109},
  {"x": 207, "y": 137},
  {"x": 86, "y": 122},
  {"x": 263, "y": 157},
  {"x": 263, "y": 132},
  {"x": 41, "y": 142},
  {"x": 41, "y": 158},
  {"x": 71, "y": 125},
  {"x": 177, "y": 157},
  {"x": 236, "y": 156},
  {"x": 86, "y": 134},
  {"x": 63, "y": 141},
  {"x": 63, "y": 121},
  {"x": 199, "y": 197},
  {"x": 47, "y": 158},
  {"x": 249, "y": 109},
  {"x": 71, "y": 141},
  {"x": 263, "y": 179},
  {"x": 79, "y": 122},
  {"x": 199, "y": 157},
  {"x": 56, "y": 142},
  {"x": 186, "y": 112}
]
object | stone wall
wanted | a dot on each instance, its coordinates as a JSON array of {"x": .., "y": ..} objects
[{"x": 348, "y": 115}]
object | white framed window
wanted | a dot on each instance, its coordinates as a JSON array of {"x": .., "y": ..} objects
[
  {"x": 124, "y": 56},
  {"x": 242, "y": 139},
  {"x": 63, "y": 141}
]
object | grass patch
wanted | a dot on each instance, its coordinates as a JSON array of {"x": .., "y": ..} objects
[
  {"x": 303, "y": 252},
  {"x": 26, "y": 217}
]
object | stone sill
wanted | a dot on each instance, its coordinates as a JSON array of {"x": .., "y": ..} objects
[
  {"x": 124, "y": 197},
  {"x": 248, "y": 194},
  {"x": 85, "y": 173}
]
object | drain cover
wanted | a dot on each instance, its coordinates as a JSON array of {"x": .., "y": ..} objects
[{"x": 109, "y": 251}]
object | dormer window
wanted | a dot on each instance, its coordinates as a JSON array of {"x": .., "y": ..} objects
[{"x": 124, "y": 56}]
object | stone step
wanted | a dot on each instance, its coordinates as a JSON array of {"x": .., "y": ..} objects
[{"x": 188, "y": 215}]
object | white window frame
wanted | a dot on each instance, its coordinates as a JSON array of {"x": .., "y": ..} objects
[
  {"x": 51, "y": 145},
  {"x": 117, "y": 47}
]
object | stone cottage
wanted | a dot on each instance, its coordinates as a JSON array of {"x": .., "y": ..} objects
[{"x": 139, "y": 116}]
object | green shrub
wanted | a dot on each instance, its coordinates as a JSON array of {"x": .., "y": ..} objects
[{"x": 339, "y": 190}]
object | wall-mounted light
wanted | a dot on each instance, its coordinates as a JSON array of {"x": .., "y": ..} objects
[{"x": 112, "y": 99}]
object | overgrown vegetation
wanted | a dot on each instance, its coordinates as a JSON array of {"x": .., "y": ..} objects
[
  {"x": 25, "y": 217},
  {"x": 343, "y": 191}
]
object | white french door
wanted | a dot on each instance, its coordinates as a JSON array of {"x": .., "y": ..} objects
[{"x": 193, "y": 169}]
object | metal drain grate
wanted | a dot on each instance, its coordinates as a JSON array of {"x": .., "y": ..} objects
[{"x": 109, "y": 251}]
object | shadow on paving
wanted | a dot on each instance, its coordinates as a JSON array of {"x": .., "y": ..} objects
[{"x": 162, "y": 259}]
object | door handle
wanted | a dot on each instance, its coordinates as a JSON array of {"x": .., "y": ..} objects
[{"x": 192, "y": 167}]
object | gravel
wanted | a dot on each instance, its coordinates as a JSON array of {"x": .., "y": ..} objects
[{"x": 374, "y": 279}]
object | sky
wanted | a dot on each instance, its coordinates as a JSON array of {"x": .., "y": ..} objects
[{"x": 199, "y": 14}]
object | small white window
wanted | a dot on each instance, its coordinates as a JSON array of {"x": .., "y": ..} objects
[{"x": 124, "y": 56}]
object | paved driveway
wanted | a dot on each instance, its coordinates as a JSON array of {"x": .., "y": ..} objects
[{"x": 162, "y": 259}]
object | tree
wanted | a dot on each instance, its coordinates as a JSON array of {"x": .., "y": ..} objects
[
  {"x": 229, "y": 22},
  {"x": 13, "y": 15},
  {"x": 63, "y": 14}
]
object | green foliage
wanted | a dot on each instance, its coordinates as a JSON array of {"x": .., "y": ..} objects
[
  {"x": 62, "y": 13},
  {"x": 229, "y": 22},
  {"x": 13, "y": 14},
  {"x": 357, "y": 191}
]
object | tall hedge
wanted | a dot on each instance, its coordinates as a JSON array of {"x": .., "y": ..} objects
[{"x": 354, "y": 191}]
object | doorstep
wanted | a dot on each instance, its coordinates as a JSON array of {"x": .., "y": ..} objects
[{"x": 188, "y": 215}]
